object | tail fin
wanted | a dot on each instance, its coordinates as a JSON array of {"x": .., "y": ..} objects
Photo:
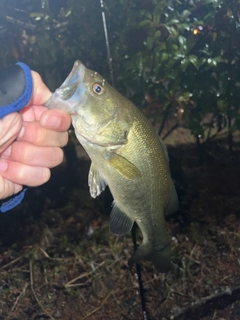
[{"x": 160, "y": 256}]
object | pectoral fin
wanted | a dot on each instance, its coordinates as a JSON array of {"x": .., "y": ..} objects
[
  {"x": 96, "y": 182},
  {"x": 124, "y": 167},
  {"x": 120, "y": 223}
]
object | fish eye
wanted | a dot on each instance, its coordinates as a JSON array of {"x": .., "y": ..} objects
[{"x": 98, "y": 89}]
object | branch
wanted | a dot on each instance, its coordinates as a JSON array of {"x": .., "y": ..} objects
[
  {"x": 34, "y": 293},
  {"x": 206, "y": 305},
  {"x": 170, "y": 131}
]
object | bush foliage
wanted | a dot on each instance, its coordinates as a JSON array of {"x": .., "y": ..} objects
[{"x": 180, "y": 56}]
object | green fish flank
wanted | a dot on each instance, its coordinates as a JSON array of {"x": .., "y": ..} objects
[{"x": 127, "y": 155}]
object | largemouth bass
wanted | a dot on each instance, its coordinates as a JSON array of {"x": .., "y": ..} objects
[{"x": 127, "y": 155}]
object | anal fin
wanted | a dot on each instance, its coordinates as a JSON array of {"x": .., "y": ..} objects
[
  {"x": 172, "y": 205},
  {"x": 120, "y": 223}
]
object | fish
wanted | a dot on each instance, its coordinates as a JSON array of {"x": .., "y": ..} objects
[{"x": 127, "y": 155}]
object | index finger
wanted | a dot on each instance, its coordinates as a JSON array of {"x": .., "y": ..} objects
[{"x": 55, "y": 119}]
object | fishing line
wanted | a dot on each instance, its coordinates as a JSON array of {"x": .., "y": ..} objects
[
  {"x": 139, "y": 275},
  {"x": 107, "y": 42}
]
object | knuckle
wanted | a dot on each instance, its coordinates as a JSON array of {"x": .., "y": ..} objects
[
  {"x": 5, "y": 190},
  {"x": 46, "y": 174},
  {"x": 21, "y": 174},
  {"x": 40, "y": 136},
  {"x": 64, "y": 139},
  {"x": 58, "y": 157},
  {"x": 25, "y": 154}
]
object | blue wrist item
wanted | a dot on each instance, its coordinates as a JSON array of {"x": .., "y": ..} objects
[
  {"x": 13, "y": 201},
  {"x": 16, "y": 87}
]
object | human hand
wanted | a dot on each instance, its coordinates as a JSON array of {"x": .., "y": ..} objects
[{"x": 30, "y": 142}]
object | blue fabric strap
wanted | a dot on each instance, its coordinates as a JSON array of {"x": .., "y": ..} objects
[
  {"x": 27, "y": 94},
  {"x": 13, "y": 202},
  {"x": 16, "y": 87}
]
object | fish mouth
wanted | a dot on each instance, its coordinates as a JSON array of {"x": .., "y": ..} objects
[{"x": 71, "y": 93}]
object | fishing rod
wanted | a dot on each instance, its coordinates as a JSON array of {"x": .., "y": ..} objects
[
  {"x": 138, "y": 268},
  {"x": 139, "y": 275},
  {"x": 107, "y": 42}
]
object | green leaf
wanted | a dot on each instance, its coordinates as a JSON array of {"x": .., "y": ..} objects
[
  {"x": 194, "y": 60},
  {"x": 156, "y": 18},
  {"x": 162, "y": 46},
  {"x": 165, "y": 105},
  {"x": 195, "y": 127},
  {"x": 184, "y": 64},
  {"x": 185, "y": 95},
  {"x": 173, "y": 21},
  {"x": 174, "y": 85},
  {"x": 157, "y": 35},
  {"x": 178, "y": 55},
  {"x": 165, "y": 56},
  {"x": 202, "y": 61},
  {"x": 209, "y": 17},
  {"x": 144, "y": 23},
  {"x": 185, "y": 14},
  {"x": 172, "y": 31},
  {"x": 222, "y": 106},
  {"x": 182, "y": 41},
  {"x": 36, "y": 15},
  {"x": 149, "y": 43},
  {"x": 208, "y": 1},
  {"x": 149, "y": 16},
  {"x": 159, "y": 8},
  {"x": 68, "y": 13}
]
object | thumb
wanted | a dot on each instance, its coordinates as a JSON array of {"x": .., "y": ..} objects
[{"x": 41, "y": 93}]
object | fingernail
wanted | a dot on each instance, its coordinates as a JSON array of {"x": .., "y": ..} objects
[
  {"x": 21, "y": 133},
  {"x": 3, "y": 165},
  {"x": 6, "y": 152},
  {"x": 51, "y": 121}
]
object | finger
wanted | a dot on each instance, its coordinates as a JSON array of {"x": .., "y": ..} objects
[
  {"x": 23, "y": 174},
  {"x": 55, "y": 119},
  {"x": 51, "y": 119},
  {"x": 41, "y": 93},
  {"x": 32, "y": 155},
  {"x": 32, "y": 113},
  {"x": 34, "y": 133},
  {"x": 10, "y": 128},
  {"x": 8, "y": 188}
]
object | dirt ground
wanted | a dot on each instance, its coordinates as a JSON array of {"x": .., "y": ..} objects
[{"x": 58, "y": 260}]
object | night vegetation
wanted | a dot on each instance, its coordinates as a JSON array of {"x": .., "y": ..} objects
[{"x": 179, "y": 62}]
